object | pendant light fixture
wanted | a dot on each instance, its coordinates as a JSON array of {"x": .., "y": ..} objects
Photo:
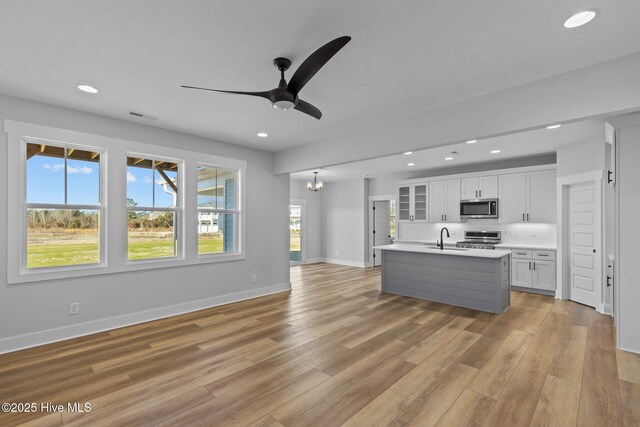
[{"x": 314, "y": 185}]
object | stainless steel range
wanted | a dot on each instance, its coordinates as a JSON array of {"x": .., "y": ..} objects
[{"x": 480, "y": 239}]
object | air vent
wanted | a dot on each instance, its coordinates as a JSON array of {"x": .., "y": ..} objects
[{"x": 142, "y": 116}]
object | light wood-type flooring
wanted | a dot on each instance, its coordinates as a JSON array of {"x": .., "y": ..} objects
[{"x": 334, "y": 351}]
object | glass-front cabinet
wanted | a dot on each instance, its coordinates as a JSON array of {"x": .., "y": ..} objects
[{"x": 412, "y": 202}]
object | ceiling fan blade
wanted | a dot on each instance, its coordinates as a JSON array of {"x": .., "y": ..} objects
[
  {"x": 305, "y": 107},
  {"x": 314, "y": 62},
  {"x": 260, "y": 94}
]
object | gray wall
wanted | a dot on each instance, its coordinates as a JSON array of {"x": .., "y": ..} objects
[
  {"x": 117, "y": 298},
  {"x": 580, "y": 157},
  {"x": 344, "y": 221},
  {"x": 628, "y": 271}
]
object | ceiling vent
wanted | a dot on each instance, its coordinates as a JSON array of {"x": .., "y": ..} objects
[{"x": 142, "y": 116}]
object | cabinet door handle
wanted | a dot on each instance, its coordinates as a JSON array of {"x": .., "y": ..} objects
[
  {"x": 523, "y": 217},
  {"x": 476, "y": 193},
  {"x": 480, "y": 193},
  {"x": 539, "y": 254},
  {"x": 534, "y": 265},
  {"x": 445, "y": 217},
  {"x": 529, "y": 265},
  {"x": 527, "y": 217}
]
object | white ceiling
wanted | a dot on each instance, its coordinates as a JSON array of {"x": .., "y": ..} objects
[
  {"x": 405, "y": 57},
  {"x": 523, "y": 144}
]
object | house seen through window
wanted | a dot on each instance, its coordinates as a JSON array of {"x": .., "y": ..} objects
[{"x": 217, "y": 210}]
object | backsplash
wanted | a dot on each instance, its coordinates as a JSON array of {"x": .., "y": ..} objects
[{"x": 519, "y": 233}]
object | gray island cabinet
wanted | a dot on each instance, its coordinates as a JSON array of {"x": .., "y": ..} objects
[{"x": 473, "y": 278}]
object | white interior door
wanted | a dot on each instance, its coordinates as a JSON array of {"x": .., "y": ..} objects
[
  {"x": 584, "y": 244},
  {"x": 381, "y": 227}
]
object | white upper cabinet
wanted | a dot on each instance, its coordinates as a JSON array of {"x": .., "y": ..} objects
[
  {"x": 445, "y": 201},
  {"x": 479, "y": 187},
  {"x": 488, "y": 186},
  {"x": 512, "y": 203},
  {"x": 412, "y": 202},
  {"x": 528, "y": 197},
  {"x": 541, "y": 188}
]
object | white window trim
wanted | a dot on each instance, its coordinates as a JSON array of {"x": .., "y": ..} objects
[
  {"x": 25, "y": 205},
  {"x": 114, "y": 203}
]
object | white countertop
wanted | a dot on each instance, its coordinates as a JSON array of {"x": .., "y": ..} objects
[
  {"x": 423, "y": 249},
  {"x": 527, "y": 246},
  {"x": 424, "y": 242}
]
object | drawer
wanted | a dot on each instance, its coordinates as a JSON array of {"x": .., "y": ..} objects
[
  {"x": 542, "y": 255},
  {"x": 522, "y": 253}
]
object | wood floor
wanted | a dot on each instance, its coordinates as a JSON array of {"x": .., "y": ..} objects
[{"x": 334, "y": 352}]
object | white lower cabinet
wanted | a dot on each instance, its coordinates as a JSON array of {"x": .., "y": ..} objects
[
  {"x": 521, "y": 273},
  {"x": 535, "y": 269},
  {"x": 544, "y": 275}
]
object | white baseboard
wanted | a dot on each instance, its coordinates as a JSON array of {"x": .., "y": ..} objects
[
  {"x": 314, "y": 260},
  {"x": 349, "y": 263},
  {"x": 67, "y": 332},
  {"x": 608, "y": 309}
]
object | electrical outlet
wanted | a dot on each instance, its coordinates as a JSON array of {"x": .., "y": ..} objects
[
  {"x": 74, "y": 308},
  {"x": 254, "y": 279}
]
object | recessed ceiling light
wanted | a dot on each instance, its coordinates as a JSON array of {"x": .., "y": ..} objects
[
  {"x": 87, "y": 88},
  {"x": 406, "y": 153},
  {"x": 472, "y": 141},
  {"x": 580, "y": 19},
  {"x": 411, "y": 164},
  {"x": 448, "y": 158},
  {"x": 554, "y": 126},
  {"x": 495, "y": 151},
  {"x": 262, "y": 134}
]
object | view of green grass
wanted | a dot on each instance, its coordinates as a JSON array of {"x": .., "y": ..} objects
[
  {"x": 58, "y": 253},
  {"x": 46, "y": 248},
  {"x": 210, "y": 243}
]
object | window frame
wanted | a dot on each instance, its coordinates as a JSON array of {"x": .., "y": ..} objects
[
  {"x": 237, "y": 212},
  {"x": 25, "y": 205},
  {"x": 113, "y": 197},
  {"x": 178, "y": 210}
]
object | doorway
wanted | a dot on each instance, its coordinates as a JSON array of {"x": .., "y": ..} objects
[
  {"x": 383, "y": 226},
  {"x": 296, "y": 232},
  {"x": 584, "y": 238},
  {"x": 581, "y": 243}
]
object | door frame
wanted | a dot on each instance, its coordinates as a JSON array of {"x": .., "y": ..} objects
[
  {"x": 303, "y": 228},
  {"x": 562, "y": 274},
  {"x": 370, "y": 238}
]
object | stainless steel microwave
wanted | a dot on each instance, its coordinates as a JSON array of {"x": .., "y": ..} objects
[{"x": 479, "y": 208}]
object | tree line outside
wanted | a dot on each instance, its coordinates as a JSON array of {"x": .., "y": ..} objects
[{"x": 58, "y": 237}]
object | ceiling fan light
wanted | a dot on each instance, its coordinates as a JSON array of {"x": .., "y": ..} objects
[{"x": 283, "y": 105}]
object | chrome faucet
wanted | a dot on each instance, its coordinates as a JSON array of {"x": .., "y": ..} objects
[{"x": 442, "y": 238}]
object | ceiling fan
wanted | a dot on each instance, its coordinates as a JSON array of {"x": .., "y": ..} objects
[{"x": 285, "y": 96}]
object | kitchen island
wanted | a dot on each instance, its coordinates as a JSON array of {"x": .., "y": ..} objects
[{"x": 474, "y": 278}]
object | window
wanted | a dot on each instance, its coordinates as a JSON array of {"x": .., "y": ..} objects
[
  {"x": 217, "y": 210},
  {"x": 173, "y": 207},
  {"x": 153, "y": 213},
  {"x": 63, "y": 208}
]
